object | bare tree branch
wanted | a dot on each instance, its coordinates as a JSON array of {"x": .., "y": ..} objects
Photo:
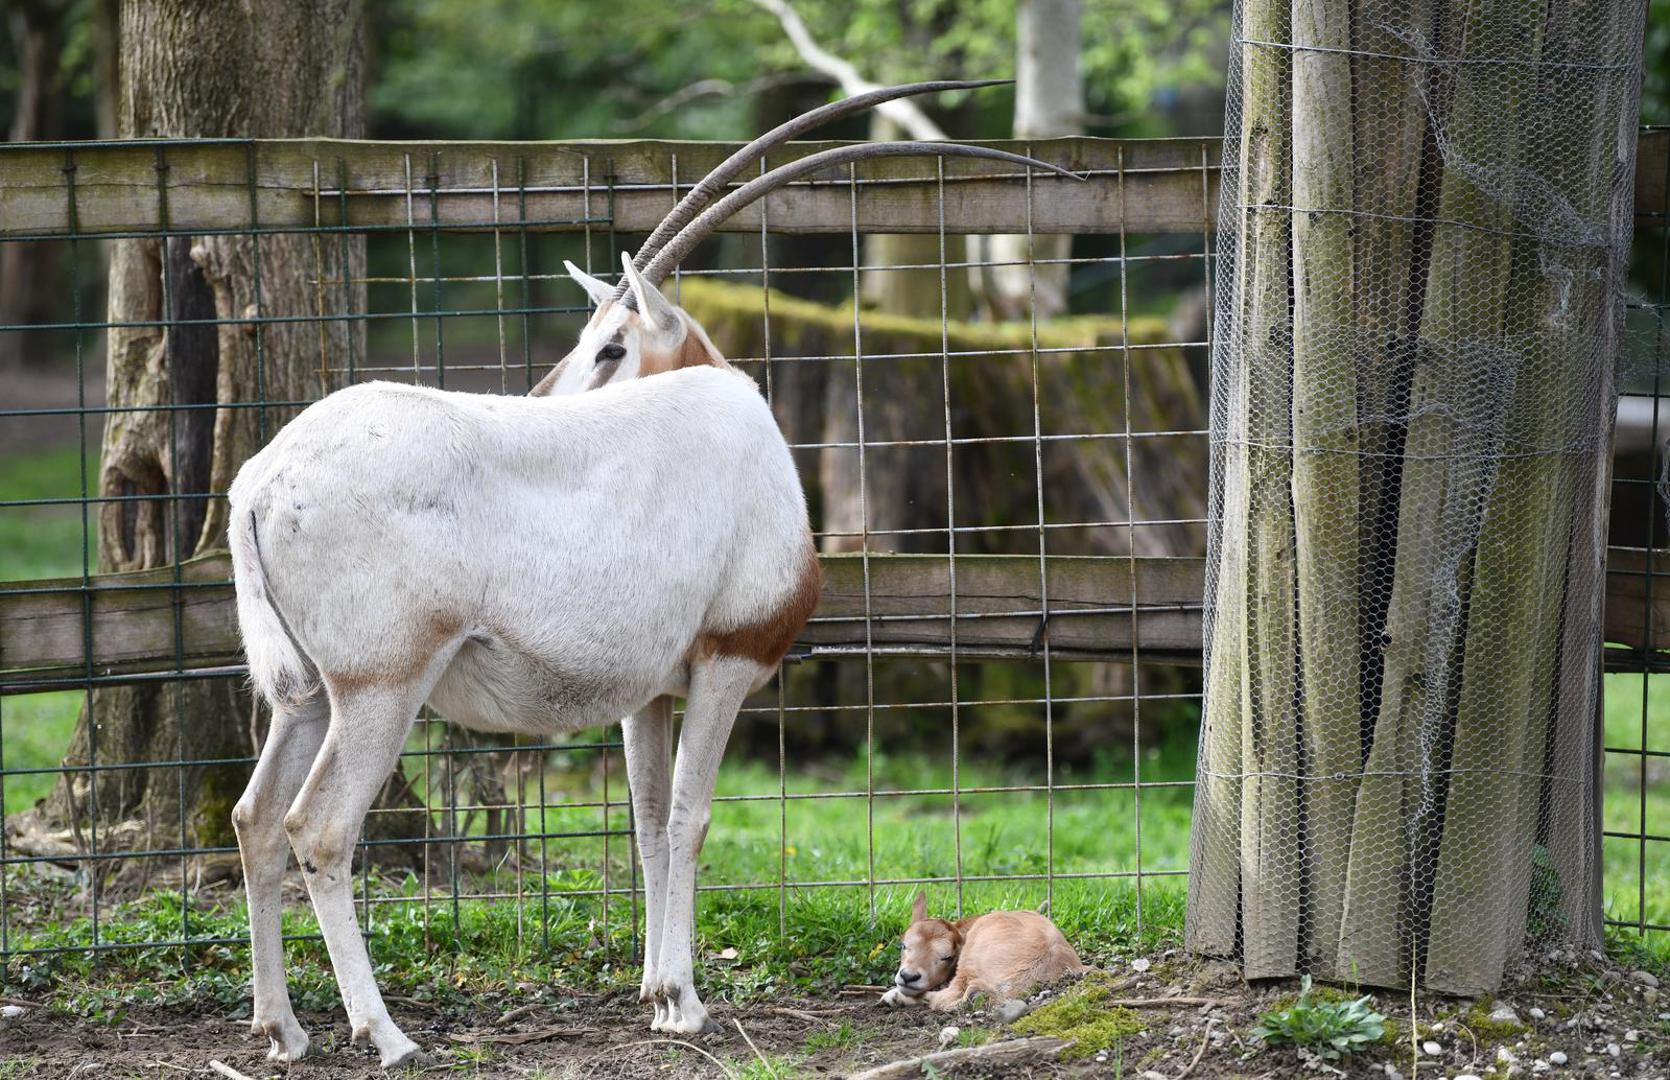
[
  {"x": 715, "y": 88},
  {"x": 905, "y": 114}
]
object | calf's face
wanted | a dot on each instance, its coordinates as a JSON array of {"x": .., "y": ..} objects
[{"x": 928, "y": 951}]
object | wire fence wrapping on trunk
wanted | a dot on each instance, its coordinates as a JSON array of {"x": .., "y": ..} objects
[
  {"x": 1423, "y": 242},
  {"x": 1011, "y": 515}
]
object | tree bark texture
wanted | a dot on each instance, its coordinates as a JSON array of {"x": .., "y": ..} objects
[
  {"x": 264, "y": 69},
  {"x": 1049, "y": 102}
]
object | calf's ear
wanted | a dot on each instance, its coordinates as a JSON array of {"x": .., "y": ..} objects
[{"x": 919, "y": 908}]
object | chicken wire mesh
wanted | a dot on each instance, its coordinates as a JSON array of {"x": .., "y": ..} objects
[{"x": 1426, "y": 211}]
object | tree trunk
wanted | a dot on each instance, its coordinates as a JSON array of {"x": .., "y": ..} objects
[
  {"x": 267, "y": 68},
  {"x": 1458, "y": 232},
  {"x": 1049, "y": 103},
  {"x": 889, "y": 495},
  {"x": 1325, "y": 463},
  {"x": 1391, "y": 254},
  {"x": 29, "y": 282}
]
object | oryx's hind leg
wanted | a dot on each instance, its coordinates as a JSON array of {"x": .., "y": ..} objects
[
  {"x": 718, "y": 685},
  {"x": 648, "y": 735},
  {"x": 292, "y": 742},
  {"x": 368, "y": 726}
]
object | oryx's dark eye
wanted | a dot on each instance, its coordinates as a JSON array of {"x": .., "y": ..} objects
[{"x": 610, "y": 353}]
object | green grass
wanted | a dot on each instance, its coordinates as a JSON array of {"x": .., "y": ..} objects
[
  {"x": 1633, "y": 784},
  {"x": 34, "y": 733},
  {"x": 39, "y": 542},
  {"x": 44, "y": 541}
]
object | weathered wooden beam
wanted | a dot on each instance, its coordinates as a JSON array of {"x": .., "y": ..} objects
[
  {"x": 300, "y": 183},
  {"x": 44, "y": 630},
  {"x": 571, "y": 186}
]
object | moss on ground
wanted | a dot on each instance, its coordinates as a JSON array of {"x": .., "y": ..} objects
[
  {"x": 1331, "y": 995},
  {"x": 1479, "y": 1022},
  {"x": 1088, "y": 1015}
]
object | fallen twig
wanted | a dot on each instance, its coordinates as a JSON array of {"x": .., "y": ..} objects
[
  {"x": 863, "y": 988},
  {"x": 769, "y": 1068},
  {"x": 998, "y": 1053},
  {"x": 516, "y": 1014},
  {"x": 1164, "y": 1002},
  {"x": 802, "y": 1014},
  {"x": 412, "y": 1002},
  {"x": 1205, "y": 1038},
  {"x": 518, "y": 1038},
  {"x": 722, "y": 1067},
  {"x": 228, "y": 1071}
]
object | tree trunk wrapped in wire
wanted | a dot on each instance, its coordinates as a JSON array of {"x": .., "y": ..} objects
[{"x": 1426, "y": 210}]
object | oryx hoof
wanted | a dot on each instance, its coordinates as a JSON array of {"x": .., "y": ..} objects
[{"x": 286, "y": 1041}]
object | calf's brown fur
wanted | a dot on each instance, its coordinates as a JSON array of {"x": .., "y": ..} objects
[{"x": 1002, "y": 954}]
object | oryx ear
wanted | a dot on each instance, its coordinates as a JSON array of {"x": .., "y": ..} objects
[
  {"x": 919, "y": 908},
  {"x": 599, "y": 291},
  {"x": 660, "y": 312}
]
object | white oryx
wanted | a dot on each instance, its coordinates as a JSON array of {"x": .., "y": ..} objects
[{"x": 536, "y": 564}]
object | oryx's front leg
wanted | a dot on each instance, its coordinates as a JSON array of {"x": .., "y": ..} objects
[
  {"x": 292, "y": 742},
  {"x": 718, "y": 685},
  {"x": 648, "y": 735},
  {"x": 367, "y": 729}
]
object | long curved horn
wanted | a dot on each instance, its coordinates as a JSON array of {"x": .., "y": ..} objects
[
  {"x": 710, "y": 185},
  {"x": 692, "y": 234}
]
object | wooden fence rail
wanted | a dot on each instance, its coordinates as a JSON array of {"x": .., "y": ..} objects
[
  {"x": 149, "y": 622},
  {"x": 1138, "y": 185}
]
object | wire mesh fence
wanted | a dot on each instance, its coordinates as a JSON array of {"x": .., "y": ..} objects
[{"x": 996, "y": 699}]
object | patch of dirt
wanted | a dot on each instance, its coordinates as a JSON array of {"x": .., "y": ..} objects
[{"x": 1588, "y": 1007}]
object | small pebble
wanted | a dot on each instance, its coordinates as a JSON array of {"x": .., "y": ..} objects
[
  {"x": 11, "y": 1012},
  {"x": 1540, "y": 1066},
  {"x": 1141, "y": 963},
  {"x": 1650, "y": 995},
  {"x": 948, "y": 1035},
  {"x": 1538, "y": 1014},
  {"x": 1432, "y": 1049},
  {"x": 1505, "y": 1056},
  {"x": 1503, "y": 1014},
  {"x": 1632, "y": 1035},
  {"x": 1614, "y": 1049},
  {"x": 1645, "y": 978},
  {"x": 1466, "y": 1076},
  {"x": 1011, "y": 1010},
  {"x": 1558, "y": 1057},
  {"x": 1392, "y": 1073}
]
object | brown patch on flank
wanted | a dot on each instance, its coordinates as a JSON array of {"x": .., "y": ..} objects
[
  {"x": 435, "y": 632},
  {"x": 766, "y": 641}
]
